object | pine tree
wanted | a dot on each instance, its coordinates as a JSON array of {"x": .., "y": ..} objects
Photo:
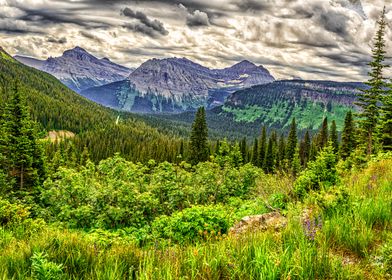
[
  {"x": 23, "y": 158},
  {"x": 348, "y": 136},
  {"x": 269, "y": 163},
  {"x": 291, "y": 143},
  {"x": 305, "y": 149},
  {"x": 281, "y": 153},
  {"x": 323, "y": 135},
  {"x": 386, "y": 121},
  {"x": 296, "y": 163},
  {"x": 334, "y": 138},
  {"x": 255, "y": 153},
  {"x": 243, "y": 150},
  {"x": 369, "y": 98},
  {"x": 262, "y": 147},
  {"x": 199, "y": 150}
]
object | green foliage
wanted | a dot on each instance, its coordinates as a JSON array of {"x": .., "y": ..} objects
[
  {"x": 22, "y": 154},
  {"x": 386, "y": 119},
  {"x": 42, "y": 269},
  {"x": 369, "y": 98},
  {"x": 279, "y": 201},
  {"x": 117, "y": 193},
  {"x": 292, "y": 141},
  {"x": 12, "y": 214},
  {"x": 193, "y": 224},
  {"x": 348, "y": 137},
  {"x": 320, "y": 173},
  {"x": 198, "y": 140}
]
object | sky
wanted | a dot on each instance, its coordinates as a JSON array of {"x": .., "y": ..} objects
[{"x": 308, "y": 39}]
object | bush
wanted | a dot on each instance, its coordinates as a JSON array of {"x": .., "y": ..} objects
[
  {"x": 12, "y": 214},
  {"x": 320, "y": 173},
  {"x": 42, "y": 269},
  {"x": 193, "y": 224}
]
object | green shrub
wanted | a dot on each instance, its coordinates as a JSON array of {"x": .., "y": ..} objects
[
  {"x": 320, "y": 173},
  {"x": 42, "y": 269},
  {"x": 12, "y": 214},
  {"x": 193, "y": 224}
]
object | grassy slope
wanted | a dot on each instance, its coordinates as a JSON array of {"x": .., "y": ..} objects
[{"x": 349, "y": 245}]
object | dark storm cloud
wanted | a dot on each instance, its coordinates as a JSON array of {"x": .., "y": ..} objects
[
  {"x": 44, "y": 17},
  {"x": 90, "y": 36},
  {"x": 145, "y": 25},
  {"x": 251, "y": 5},
  {"x": 62, "y": 40},
  {"x": 334, "y": 22}
]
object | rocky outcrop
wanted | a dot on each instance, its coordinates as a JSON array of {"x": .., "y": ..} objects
[{"x": 270, "y": 221}]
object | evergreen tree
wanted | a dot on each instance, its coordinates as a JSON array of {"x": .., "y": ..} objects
[
  {"x": 23, "y": 159},
  {"x": 199, "y": 150},
  {"x": 296, "y": 163},
  {"x": 255, "y": 153},
  {"x": 243, "y": 148},
  {"x": 269, "y": 163},
  {"x": 323, "y": 135},
  {"x": 369, "y": 98},
  {"x": 262, "y": 147},
  {"x": 348, "y": 137},
  {"x": 334, "y": 138},
  {"x": 386, "y": 120},
  {"x": 281, "y": 151},
  {"x": 291, "y": 143},
  {"x": 305, "y": 149}
]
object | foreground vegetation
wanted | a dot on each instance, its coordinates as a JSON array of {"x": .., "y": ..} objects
[{"x": 346, "y": 234}]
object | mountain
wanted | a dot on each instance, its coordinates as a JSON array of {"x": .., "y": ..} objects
[
  {"x": 102, "y": 130},
  {"x": 177, "y": 84},
  {"x": 277, "y": 103},
  {"x": 79, "y": 70},
  {"x": 274, "y": 105}
]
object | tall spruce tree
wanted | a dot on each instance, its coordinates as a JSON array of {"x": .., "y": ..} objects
[
  {"x": 348, "y": 136},
  {"x": 386, "y": 120},
  {"x": 243, "y": 148},
  {"x": 269, "y": 162},
  {"x": 369, "y": 98},
  {"x": 262, "y": 147},
  {"x": 322, "y": 137},
  {"x": 255, "y": 153},
  {"x": 305, "y": 149},
  {"x": 292, "y": 142},
  {"x": 281, "y": 152},
  {"x": 23, "y": 159},
  {"x": 334, "y": 138},
  {"x": 199, "y": 150}
]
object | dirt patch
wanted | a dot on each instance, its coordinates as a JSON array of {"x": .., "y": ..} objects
[{"x": 54, "y": 136}]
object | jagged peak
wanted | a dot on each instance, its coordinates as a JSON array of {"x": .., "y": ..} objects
[{"x": 77, "y": 51}]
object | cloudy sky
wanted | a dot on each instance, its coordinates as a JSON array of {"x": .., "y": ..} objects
[{"x": 309, "y": 39}]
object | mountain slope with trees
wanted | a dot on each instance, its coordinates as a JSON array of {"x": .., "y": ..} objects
[{"x": 101, "y": 130}]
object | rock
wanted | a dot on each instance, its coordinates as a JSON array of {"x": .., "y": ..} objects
[{"x": 273, "y": 220}]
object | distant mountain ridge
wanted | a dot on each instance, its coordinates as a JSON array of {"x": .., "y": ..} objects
[
  {"x": 176, "y": 85},
  {"x": 78, "y": 69}
]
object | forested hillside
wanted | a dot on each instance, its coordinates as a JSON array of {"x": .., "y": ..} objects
[{"x": 55, "y": 107}]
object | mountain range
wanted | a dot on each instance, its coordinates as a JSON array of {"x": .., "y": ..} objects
[
  {"x": 78, "y": 69},
  {"x": 158, "y": 85},
  {"x": 176, "y": 85},
  {"x": 241, "y": 97}
]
